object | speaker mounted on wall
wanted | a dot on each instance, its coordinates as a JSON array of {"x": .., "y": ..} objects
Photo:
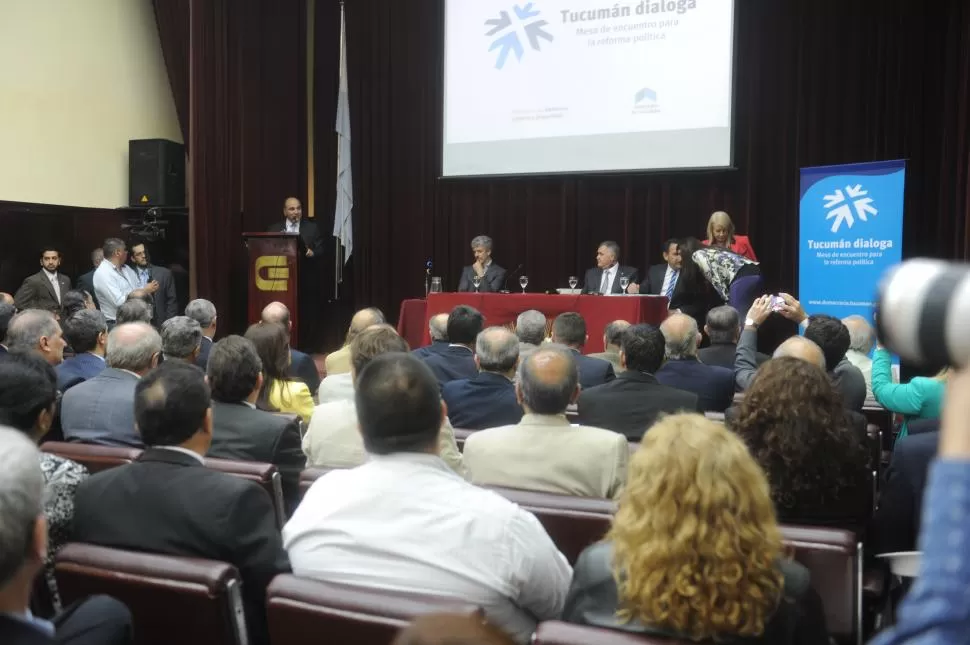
[{"x": 156, "y": 173}]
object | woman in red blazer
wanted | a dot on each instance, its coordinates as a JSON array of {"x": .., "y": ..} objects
[{"x": 720, "y": 232}]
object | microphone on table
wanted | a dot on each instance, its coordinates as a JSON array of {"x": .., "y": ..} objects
[
  {"x": 428, "y": 265},
  {"x": 505, "y": 285}
]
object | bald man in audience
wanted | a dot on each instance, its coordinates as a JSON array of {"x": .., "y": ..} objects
[
  {"x": 37, "y": 330},
  {"x": 302, "y": 366},
  {"x": 611, "y": 343},
  {"x": 6, "y": 298},
  {"x": 438, "y": 329},
  {"x": 338, "y": 362},
  {"x": 862, "y": 338},
  {"x": 714, "y": 386},
  {"x": 487, "y": 400},
  {"x": 543, "y": 452}
]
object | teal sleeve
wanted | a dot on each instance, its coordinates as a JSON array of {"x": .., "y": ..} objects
[{"x": 902, "y": 398}]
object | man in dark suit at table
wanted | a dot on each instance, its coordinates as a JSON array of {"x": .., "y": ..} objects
[
  {"x": 164, "y": 302},
  {"x": 569, "y": 329},
  {"x": 168, "y": 502},
  {"x": 44, "y": 289},
  {"x": 605, "y": 277},
  {"x": 86, "y": 281},
  {"x": 714, "y": 386},
  {"x": 632, "y": 402},
  {"x": 488, "y": 400},
  {"x": 293, "y": 223},
  {"x": 662, "y": 278},
  {"x": 457, "y": 361},
  {"x": 491, "y": 276}
]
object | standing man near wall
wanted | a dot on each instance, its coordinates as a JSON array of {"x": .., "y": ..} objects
[
  {"x": 114, "y": 280},
  {"x": 44, "y": 289},
  {"x": 165, "y": 305}
]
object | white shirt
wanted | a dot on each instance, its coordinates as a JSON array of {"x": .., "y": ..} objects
[
  {"x": 609, "y": 275},
  {"x": 336, "y": 387},
  {"x": 54, "y": 283},
  {"x": 292, "y": 228},
  {"x": 112, "y": 286},
  {"x": 668, "y": 276},
  {"x": 184, "y": 451},
  {"x": 407, "y": 523}
]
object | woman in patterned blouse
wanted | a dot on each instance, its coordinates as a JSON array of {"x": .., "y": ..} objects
[{"x": 28, "y": 399}]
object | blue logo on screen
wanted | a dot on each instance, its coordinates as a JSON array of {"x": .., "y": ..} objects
[
  {"x": 506, "y": 36},
  {"x": 644, "y": 95}
]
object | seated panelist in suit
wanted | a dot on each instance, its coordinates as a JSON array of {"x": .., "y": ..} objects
[
  {"x": 85, "y": 281},
  {"x": 488, "y": 399},
  {"x": 491, "y": 276},
  {"x": 86, "y": 332},
  {"x": 569, "y": 329},
  {"x": 242, "y": 432},
  {"x": 294, "y": 223},
  {"x": 713, "y": 385},
  {"x": 604, "y": 278},
  {"x": 101, "y": 409},
  {"x": 44, "y": 289},
  {"x": 720, "y": 233},
  {"x": 543, "y": 452},
  {"x": 457, "y": 361},
  {"x": 662, "y": 278},
  {"x": 168, "y": 502},
  {"x": 635, "y": 399}
]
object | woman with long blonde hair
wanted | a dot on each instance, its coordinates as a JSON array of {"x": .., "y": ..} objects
[
  {"x": 695, "y": 550},
  {"x": 720, "y": 233}
]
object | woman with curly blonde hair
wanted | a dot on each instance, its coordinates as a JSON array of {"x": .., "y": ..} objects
[{"x": 695, "y": 550}]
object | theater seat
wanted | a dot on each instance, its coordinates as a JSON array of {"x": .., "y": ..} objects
[
  {"x": 310, "y": 475},
  {"x": 266, "y": 475},
  {"x": 573, "y": 523},
  {"x": 554, "y": 632},
  {"x": 460, "y": 435},
  {"x": 172, "y": 600},
  {"x": 834, "y": 556},
  {"x": 94, "y": 458},
  {"x": 309, "y": 612}
]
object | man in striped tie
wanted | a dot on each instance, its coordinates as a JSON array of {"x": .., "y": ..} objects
[{"x": 663, "y": 277}]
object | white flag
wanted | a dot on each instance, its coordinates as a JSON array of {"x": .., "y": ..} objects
[{"x": 343, "y": 223}]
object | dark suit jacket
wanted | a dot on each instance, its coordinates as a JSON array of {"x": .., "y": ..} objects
[
  {"x": 492, "y": 282},
  {"x": 203, "y": 358},
  {"x": 101, "y": 410},
  {"x": 86, "y": 283},
  {"x": 594, "y": 277},
  {"x": 723, "y": 355},
  {"x": 452, "y": 363},
  {"x": 655, "y": 279},
  {"x": 37, "y": 293},
  {"x": 435, "y": 347},
  {"x": 309, "y": 233},
  {"x": 164, "y": 303},
  {"x": 169, "y": 503},
  {"x": 304, "y": 369},
  {"x": 245, "y": 434},
  {"x": 486, "y": 401},
  {"x": 895, "y": 526},
  {"x": 631, "y": 403},
  {"x": 593, "y": 371},
  {"x": 77, "y": 370},
  {"x": 16, "y": 632},
  {"x": 714, "y": 386}
]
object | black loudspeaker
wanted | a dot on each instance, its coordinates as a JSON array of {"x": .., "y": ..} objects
[{"x": 156, "y": 173}]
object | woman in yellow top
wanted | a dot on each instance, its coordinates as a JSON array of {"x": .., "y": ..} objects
[{"x": 280, "y": 392}]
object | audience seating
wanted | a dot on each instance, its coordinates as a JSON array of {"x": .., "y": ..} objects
[
  {"x": 555, "y": 632},
  {"x": 309, "y": 612},
  {"x": 266, "y": 475},
  {"x": 172, "y": 600},
  {"x": 93, "y": 457}
]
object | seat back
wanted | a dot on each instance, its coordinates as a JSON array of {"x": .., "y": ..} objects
[
  {"x": 834, "y": 557},
  {"x": 460, "y": 435},
  {"x": 309, "y": 476},
  {"x": 302, "y": 612},
  {"x": 94, "y": 458},
  {"x": 573, "y": 523},
  {"x": 172, "y": 600},
  {"x": 555, "y": 632},
  {"x": 266, "y": 475}
]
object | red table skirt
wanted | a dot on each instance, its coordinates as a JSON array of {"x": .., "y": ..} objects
[{"x": 503, "y": 309}]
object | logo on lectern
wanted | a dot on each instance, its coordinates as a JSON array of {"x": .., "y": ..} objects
[{"x": 277, "y": 274}]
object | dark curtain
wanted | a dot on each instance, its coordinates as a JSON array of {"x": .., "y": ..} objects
[
  {"x": 172, "y": 19},
  {"x": 816, "y": 83}
]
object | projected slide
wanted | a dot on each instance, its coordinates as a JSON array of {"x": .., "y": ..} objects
[{"x": 553, "y": 86}]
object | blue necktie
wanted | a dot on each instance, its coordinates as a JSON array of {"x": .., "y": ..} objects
[{"x": 669, "y": 291}]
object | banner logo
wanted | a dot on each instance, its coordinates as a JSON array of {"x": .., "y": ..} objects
[
  {"x": 277, "y": 274},
  {"x": 506, "y": 37},
  {"x": 841, "y": 210}
]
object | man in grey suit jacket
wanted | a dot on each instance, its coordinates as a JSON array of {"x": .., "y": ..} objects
[
  {"x": 491, "y": 275},
  {"x": 44, "y": 289},
  {"x": 543, "y": 452},
  {"x": 102, "y": 409}
]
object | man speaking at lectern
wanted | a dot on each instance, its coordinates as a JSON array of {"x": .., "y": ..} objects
[{"x": 294, "y": 224}]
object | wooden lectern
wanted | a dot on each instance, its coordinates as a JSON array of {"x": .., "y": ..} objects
[{"x": 273, "y": 274}]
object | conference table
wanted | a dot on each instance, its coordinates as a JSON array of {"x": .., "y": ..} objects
[{"x": 504, "y": 308}]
